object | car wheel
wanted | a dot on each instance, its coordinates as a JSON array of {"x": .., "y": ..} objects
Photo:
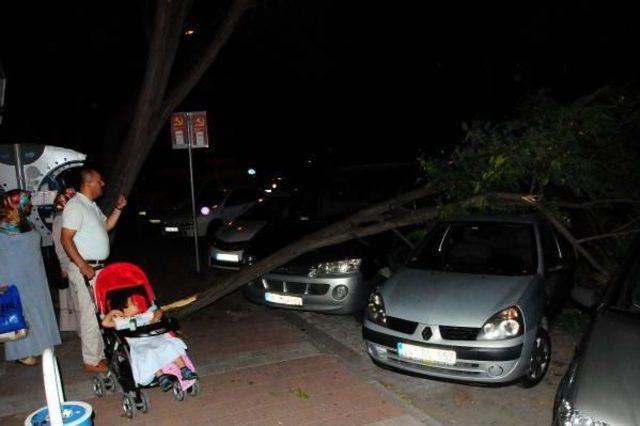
[{"x": 539, "y": 360}]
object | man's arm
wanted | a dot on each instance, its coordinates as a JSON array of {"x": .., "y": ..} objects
[
  {"x": 66, "y": 238},
  {"x": 112, "y": 220}
]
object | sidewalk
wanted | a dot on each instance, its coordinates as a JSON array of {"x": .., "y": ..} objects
[{"x": 255, "y": 367}]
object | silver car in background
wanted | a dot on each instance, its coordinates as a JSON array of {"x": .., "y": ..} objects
[
  {"x": 334, "y": 280},
  {"x": 471, "y": 303},
  {"x": 602, "y": 384}
]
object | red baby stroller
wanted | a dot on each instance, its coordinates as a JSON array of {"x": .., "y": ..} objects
[{"x": 126, "y": 279}]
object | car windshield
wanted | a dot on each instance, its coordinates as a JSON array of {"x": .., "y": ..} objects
[{"x": 479, "y": 248}]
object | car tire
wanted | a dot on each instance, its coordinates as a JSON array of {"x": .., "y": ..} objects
[{"x": 539, "y": 361}]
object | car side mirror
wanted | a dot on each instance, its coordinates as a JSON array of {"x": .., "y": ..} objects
[{"x": 583, "y": 296}]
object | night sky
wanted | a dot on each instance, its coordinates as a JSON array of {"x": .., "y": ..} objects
[{"x": 346, "y": 81}]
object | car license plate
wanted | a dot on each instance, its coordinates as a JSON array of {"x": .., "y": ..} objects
[
  {"x": 283, "y": 300},
  {"x": 426, "y": 355},
  {"x": 227, "y": 257},
  {"x": 171, "y": 229}
]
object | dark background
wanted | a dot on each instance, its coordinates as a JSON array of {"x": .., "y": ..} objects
[{"x": 341, "y": 82}]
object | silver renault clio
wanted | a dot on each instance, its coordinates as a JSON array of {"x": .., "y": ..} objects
[{"x": 471, "y": 303}]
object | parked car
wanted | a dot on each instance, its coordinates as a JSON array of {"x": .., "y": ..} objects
[
  {"x": 214, "y": 207},
  {"x": 602, "y": 384},
  {"x": 472, "y": 302},
  {"x": 335, "y": 279},
  {"x": 229, "y": 242}
]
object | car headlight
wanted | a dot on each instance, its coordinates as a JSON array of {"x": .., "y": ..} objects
[
  {"x": 335, "y": 268},
  {"x": 375, "y": 309},
  {"x": 503, "y": 325},
  {"x": 567, "y": 415}
]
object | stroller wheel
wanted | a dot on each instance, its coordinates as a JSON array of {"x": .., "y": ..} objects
[
  {"x": 194, "y": 390},
  {"x": 110, "y": 384},
  {"x": 143, "y": 405},
  {"x": 178, "y": 392},
  {"x": 128, "y": 405},
  {"x": 99, "y": 387}
]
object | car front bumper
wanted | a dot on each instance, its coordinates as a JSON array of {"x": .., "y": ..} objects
[
  {"x": 314, "y": 294},
  {"x": 482, "y": 362}
]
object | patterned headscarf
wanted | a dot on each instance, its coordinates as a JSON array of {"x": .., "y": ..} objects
[{"x": 14, "y": 210}]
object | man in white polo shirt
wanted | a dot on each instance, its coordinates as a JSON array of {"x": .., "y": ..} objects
[{"x": 85, "y": 239}]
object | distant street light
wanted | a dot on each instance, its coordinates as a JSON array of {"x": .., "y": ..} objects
[
  {"x": 189, "y": 32},
  {"x": 251, "y": 172}
]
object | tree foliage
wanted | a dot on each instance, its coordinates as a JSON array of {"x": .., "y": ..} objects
[
  {"x": 584, "y": 151},
  {"x": 579, "y": 159}
]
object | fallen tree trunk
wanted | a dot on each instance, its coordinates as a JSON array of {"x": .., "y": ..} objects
[
  {"x": 366, "y": 223},
  {"x": 339, "y": 232}
]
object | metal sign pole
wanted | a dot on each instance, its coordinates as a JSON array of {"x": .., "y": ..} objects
[
  {"x": 193, "y": 195},
  {"x": 17, "y": 154}
]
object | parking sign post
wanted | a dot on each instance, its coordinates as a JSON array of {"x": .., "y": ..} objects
[{"x": 189, "y": 130}]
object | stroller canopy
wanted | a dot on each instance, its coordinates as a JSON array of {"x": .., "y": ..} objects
[{"x": 120, "y": 276}]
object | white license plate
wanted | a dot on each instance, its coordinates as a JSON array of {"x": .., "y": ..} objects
[
  {"x": 426, "y": 355},
  {"x": 171, "y": 229},
  {"x": 283, "y": 300},
  {"x": 226, "y": 257}
]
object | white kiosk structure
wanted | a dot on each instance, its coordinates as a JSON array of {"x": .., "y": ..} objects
[{"x": 37, "y": 168}]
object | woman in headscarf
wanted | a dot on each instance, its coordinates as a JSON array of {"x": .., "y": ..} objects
[
  {"x": 21, "y": 265},
  {"x": 68, "y": 318}
]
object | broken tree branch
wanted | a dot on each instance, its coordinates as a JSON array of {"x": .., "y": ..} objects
[
  {"x": 609, "y": 235},
  {"x": 589, "y": 204},
  {"x": 574, "y": 242}
]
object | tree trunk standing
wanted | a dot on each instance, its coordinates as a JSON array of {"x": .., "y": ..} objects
[{"x": 153, "y": 108}]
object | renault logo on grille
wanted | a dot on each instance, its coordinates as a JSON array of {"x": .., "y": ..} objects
[{"x": 426, "y": 333}]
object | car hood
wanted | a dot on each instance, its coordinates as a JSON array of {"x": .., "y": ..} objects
[
  {"x": 240, "y": 231},
  {"x": 607, "y": 381},
  {"x": 450, "y": 298}
]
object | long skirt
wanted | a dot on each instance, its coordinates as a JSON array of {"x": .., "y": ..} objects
[{"x": 21, "y": 264}]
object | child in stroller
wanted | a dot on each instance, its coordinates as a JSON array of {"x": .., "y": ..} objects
[
  {"x": 140, "y": 342},
  {"x": 149, "y": 354}
]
